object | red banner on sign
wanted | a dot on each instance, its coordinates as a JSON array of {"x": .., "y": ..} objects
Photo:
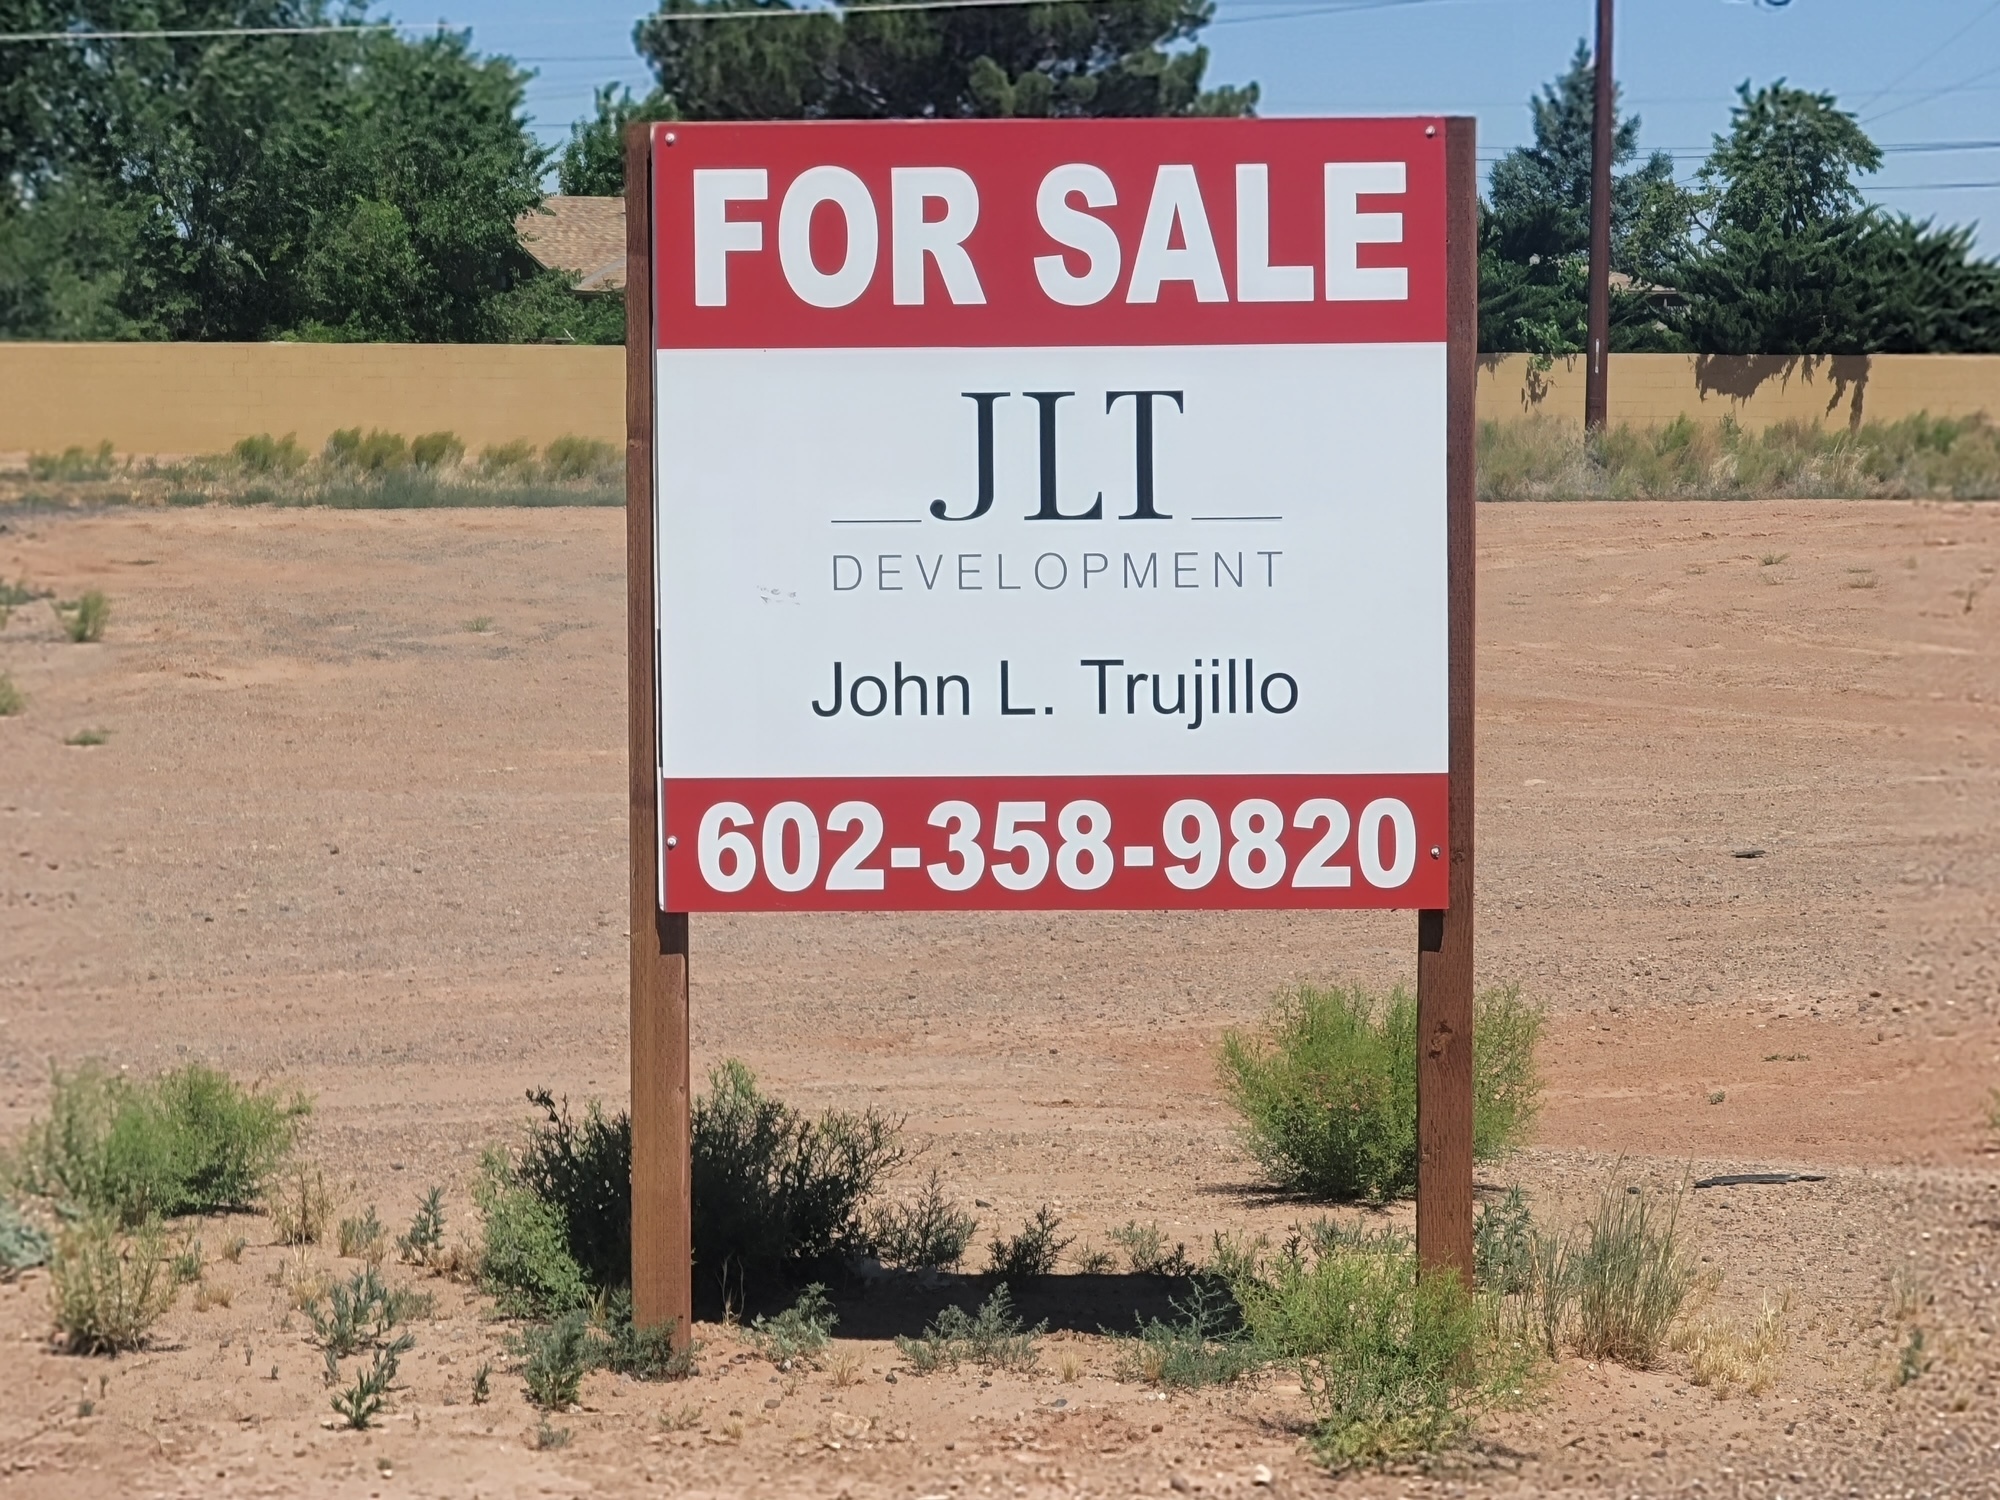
[
  {"x": 1055, "y": 842},
  {"x": 1047, "y": 233}
]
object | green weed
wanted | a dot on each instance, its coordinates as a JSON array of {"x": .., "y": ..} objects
[
  {"x": 363, "y": 1401},
  {"x": 362, "y": 1312},
  {"x": 264, "y": 454},
  {"x": 579, "y": 458},
  {"x": 555, "y": 1360},
  {"x": 1616, "y": 1293},
  {"x": 1206, "y": 1345},
  {"x": 928, "y": 1233},
  {"x": 83, "y": 619},
  {"x": 377, "y": 453},
  {"x": 505, "y": 458},
  {"x": 1328, "y": 1090},
  {"x": 424, "y": 1241},
  {"x": 24, "y": 1244},
  {"x": 72, "y": 464},
  {"x": 801, "y": 1332},
  {"x": 482, "y": 1383},
  {"x": 1391, "y": 1363},
  {"x": 12, "y": 699},
  {"x": 108, "y": 1290},
  {"x": 188, "y": 1141},
  {"x": 994, "y": 1338},
  {"x": 1546, "y": 458},
  {"x": 1033, "y": 1252},
  {"x": 431, "y": 450},
  {"x": 361, "y": 1237},
  {"x": 548, "y": 1438},
  {"x": 525, "y": 1263},
  {"x": 1503, "y": 1245},
  {"x": 87, "y": 738},
  {"x": 1913, "y": 1361},
  {"x": 642, "y": 1353},
  {"x": 1146, "y": 1253}
]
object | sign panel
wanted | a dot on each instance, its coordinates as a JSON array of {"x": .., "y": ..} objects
[{"x": 1051, "y": 514}]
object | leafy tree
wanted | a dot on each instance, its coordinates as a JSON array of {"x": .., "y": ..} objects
[
  {"x": 1096, "y": 58},
  {"x": 1782, "y": 256},
  {"x": 351, "y": 186},
  {"x": 1535, "y": 232},
  {"x": 593, "y": 161}
]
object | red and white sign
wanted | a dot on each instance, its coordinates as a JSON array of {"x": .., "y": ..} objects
[{"x": 1051, "y": 514}]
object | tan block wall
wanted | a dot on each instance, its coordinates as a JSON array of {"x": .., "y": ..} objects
[
  {"x": 1651, "y": 390},
  {"x": 200, "y": 398}
]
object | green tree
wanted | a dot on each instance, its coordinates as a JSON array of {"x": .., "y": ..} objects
[
  {"x": 1782, "y": 255},
  {"x": 1535, "y": 231},
  {"x": 593, "y": 160},
  {"x": 349, "y": 186},
  {"x": 1096, "y": 58}
]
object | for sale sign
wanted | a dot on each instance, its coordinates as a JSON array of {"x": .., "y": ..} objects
[{"x": 1051, "y": 514}]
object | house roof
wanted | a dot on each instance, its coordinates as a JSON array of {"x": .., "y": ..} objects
[{"x": 584, "y": 235}]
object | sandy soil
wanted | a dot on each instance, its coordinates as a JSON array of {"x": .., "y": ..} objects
[{"x": 339, "y": 839}]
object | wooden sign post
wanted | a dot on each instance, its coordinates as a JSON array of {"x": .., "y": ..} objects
[{"x": 1049, "y": 515}]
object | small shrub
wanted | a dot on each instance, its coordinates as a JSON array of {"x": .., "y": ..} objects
[
  {"x": 185, "y": 1263},
  {"x": 1626, "y": 1282},
  {"x": 1093, "y": 1261},
  {"x": 994, "y": 1339},
  {"x": 776, "y": 1191},
  {"x": 107, "y": 1290},
  {"x": 549, "y": 1438},
  {"x": 84, "y": 619},
  {"x": 72, "y": 465},
  {"x": 579, "y": 458},
  {"x": 1032, "y": 1252},
  {"x": 362, "y": 1312},
  {"x": 24, "y": 1244},
  {"x": 301, "y": 1206},
  {"x": 555, "y": 1360},
  {"x": 424, "y": 1243},
  {"x": 87, "y": 738},
  {"x": 377, "y": 453},
  {"x": 1391, "y": 1363},
  {"x": 482, "y": 1383},
  {"x": 12, "y": 699},
  {"x": 432, "y": 450},
  {"x": 1913, "y": 1361},
  {"x": 525, "y": 1264},
  {"x": 1328, "y": 1091},
  {"x": 930, "y": 1233},
  {"x": 363, "y": 1401},
  {"x": 582, "y": 1169},
  {"x": 642, "y": 1353},
  {"x": 801, "y": 1331},
  {"x": 1146, "y": 1253},
  {"x": 1208, "y": 1345},
  {"x": 1503, "y": 1245},
  {"x": 233, "y": 1248},
  {"x": 361, "y": 1237},
  {"x": 264, "y": 454},
  {"x": 504, "y": 458},
  {"x": 188, "y": 1141}
]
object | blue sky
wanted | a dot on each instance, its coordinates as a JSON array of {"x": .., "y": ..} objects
[{"x": 1924, "y": 75}]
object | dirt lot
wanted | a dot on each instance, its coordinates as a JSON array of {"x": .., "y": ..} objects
[{"x": 339, "y": 840}]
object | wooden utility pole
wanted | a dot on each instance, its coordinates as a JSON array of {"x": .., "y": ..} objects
[
  {"x": 1597, "y": 386},
  {"x": 1444, "y": 938},
  {"x": 662, "y": 1206}
]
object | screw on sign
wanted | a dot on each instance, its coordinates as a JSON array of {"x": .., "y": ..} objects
[{"x": 1056, "y": 515}]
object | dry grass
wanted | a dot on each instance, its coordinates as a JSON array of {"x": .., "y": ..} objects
[
  {"x": 301, "y": 1206},
  {"x": 1725, "y": 1357},
  {"x": 1548, "y": 458},
  {"x": 106, "y": 1289}
]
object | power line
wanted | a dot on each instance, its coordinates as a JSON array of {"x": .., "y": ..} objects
[{"x": 1935, "y": 51}]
